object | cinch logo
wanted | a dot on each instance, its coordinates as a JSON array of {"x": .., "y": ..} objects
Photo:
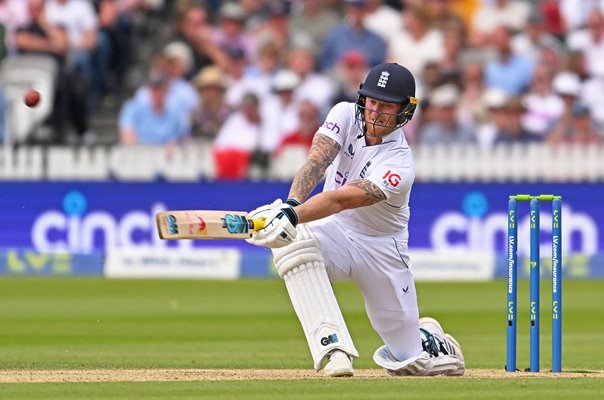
[
  {"x": 333, "y": 338},
  {"x": 172, "y": 227},
  {"x": 391, "y": 178},
  {"x": 341, "y": 178},
  {"x": 235, "y": 223},
  {"x": 383, "y": 79},
  {"x": 332, "y": 126},
  {"x": 77, "y": 229}
]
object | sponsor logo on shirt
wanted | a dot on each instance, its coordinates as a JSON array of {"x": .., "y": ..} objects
[
  {"x": 332, "y": 126},
  {"x": 341, "y": 178},
  {"x": 391, "y": 179},
  {"x": 364, "y": 170},
  {"x": 350, "y": 152}
]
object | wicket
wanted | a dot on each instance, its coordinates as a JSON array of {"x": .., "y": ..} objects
[{"x": 512, "y": 246}]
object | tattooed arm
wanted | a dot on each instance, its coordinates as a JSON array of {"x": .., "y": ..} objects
[
  {"x": 322, "y": 153},
  {"x": 355, "y": 194}
]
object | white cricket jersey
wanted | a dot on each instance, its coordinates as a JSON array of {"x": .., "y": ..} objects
[{"x": 389, "y": 165}]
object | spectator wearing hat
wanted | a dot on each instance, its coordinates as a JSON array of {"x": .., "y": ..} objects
[
  {"x": 444, "y": 128},
  {"x": 492, "y": 119},
  {"x": 543, "y": 105},
  {"x": 179, "y": 60},
  {"x": 313, "y": 86},
  {"x": 315, "y": 18},
  {"x": 279, "y": 110},
  {"x": 152, "y": 122},
  {"x": 510, "y": 71},
  {"x": 576, "y": 128},
  {"x": 238, "y": 139},
  {"x": 512, "y": 131},
  {"x": 351, "y": 34},
  {"x": 568, "y": 87},
  {"x": 352, "y": 69},
  {"x": 212, "y": 111},
  {"x": 470, "y": 107}
]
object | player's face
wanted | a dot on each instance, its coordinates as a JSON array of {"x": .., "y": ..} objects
[{"x": 380, "y": 116}]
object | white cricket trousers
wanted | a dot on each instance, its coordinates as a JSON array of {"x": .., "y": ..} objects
[{"x": 380, "y": 267}]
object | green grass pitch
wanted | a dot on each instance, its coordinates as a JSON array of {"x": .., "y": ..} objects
[{"x": 89, "y": 324}]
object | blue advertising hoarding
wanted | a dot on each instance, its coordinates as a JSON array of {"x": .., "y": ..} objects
[{"x": 83, "y": 218}]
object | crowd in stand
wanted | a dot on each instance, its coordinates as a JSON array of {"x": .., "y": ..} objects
[{"x": 251, "y": 77}]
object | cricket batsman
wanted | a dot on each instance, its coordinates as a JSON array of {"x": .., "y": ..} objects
[{"x": 357, "y": 229}]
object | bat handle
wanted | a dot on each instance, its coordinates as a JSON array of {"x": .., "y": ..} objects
[{"x": 257, "y": 224}]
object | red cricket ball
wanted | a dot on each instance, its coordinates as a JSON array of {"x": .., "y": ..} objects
[{"x": 32, "y": 98}]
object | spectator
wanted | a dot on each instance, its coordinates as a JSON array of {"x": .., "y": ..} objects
[
  {"x": 309, "y": 121},
  {"x": 178, "y": 60},
  {"x": 351, "y": 70},
  {"x": 417, "y": 44},
  {"x": 568, "y": 86},
  {"x": 112, "y": 55},
  {"x": 194, "y": 31},
  {"x": 238, "y": 139},
  {"x": 445, "y": 129},
  {"x": 470, "y": 108},
  {"x": 350, "y": 34},
  {"x": 43, "y": 38},
  {"x": 576, "y": 127},
  {"x": 279, "y": 110},
  {"x": 152, "y": 122},
  {"x": 534, "y": 38},
  {"x": 512, "y": 131},
  {"x": 495, "y": 118},
  {"x": 543, "y": 105},
  {"x": 313, "y": 86},
  {"x": 316, "y": 19},
  {"x": 382, "y": 19},
  {"x": 590, "y": 41},
  {"x": 212, "y": 111},
  {"x": 576, "y": 12},
  {"x": 494, "y": 14},
  {"x": 510, "y": 71},
  {"x": 258, "y": 76},
  {"x": 277, "y": 29},
  {"x": 231, "y": 32},
  {"x": 13, "y": 13},
  {"x": 592, "y": 94}
]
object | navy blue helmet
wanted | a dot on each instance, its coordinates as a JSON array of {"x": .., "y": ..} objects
[{"x": 392, "y": 83}]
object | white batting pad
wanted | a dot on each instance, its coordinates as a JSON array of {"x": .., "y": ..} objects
[
  {"x": 421, "y": 365},
  {"x": 312, "y": 296}
]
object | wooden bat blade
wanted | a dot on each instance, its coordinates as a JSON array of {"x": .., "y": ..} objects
[{"x": 206, "y": 224}]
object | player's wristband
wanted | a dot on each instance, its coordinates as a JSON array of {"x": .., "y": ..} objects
[
  {"x": 292, "y": 202},
  {"x": 289, "y": 212}
]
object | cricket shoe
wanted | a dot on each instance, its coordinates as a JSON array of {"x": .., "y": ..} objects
[
  {"x": 443, "y": 345},
  {"x": 339, "y": 364}
]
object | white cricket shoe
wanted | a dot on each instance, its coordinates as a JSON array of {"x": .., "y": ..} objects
[
  {"x": 446, "y": 343},
  {"x": 339, "y": 364}
]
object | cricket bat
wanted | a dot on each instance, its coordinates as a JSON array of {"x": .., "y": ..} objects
[{"x": 206, "y": 224}]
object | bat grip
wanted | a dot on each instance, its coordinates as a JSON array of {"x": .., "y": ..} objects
[{"x": 257, "y": 224}]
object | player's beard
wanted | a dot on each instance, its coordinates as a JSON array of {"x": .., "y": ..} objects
[{"x": 380, "y": 129}]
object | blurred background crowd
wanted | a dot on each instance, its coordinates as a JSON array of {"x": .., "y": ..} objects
[{"x": 251, "y": 78}]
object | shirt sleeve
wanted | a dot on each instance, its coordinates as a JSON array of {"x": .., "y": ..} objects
[
  {"x": 393, "y": 180},
  {"x": 338, "y": 122}
]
